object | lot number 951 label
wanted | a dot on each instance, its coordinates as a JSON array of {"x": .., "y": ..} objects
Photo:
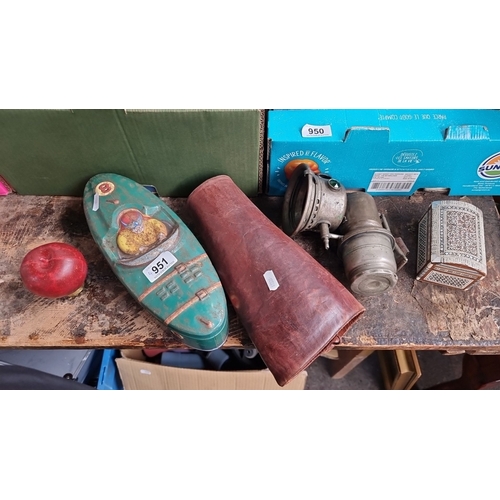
[{"x": 159, "y": 266}]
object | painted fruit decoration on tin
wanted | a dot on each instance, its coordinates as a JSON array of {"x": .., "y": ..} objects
[{"x": 54, "y": 270}]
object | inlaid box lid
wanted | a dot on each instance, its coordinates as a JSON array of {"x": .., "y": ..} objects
[{"x": 458, "y": 234}]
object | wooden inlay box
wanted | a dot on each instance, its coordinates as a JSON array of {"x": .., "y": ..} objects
[{"x": 451, "y": 245}]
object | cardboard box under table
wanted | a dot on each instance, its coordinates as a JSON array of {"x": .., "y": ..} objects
[
  {"x": 137, "y": 373},
  {"x": 388, "y": 152}
]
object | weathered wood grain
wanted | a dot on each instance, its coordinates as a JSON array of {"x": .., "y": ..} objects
[
  {"x": 417, "y": 315},
  {"x": 413, "y": 315}
]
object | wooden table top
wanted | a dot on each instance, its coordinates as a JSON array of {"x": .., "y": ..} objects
[{"x": 413, "y": 315}]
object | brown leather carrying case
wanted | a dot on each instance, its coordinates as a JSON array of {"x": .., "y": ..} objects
[{"x": 308, "y": 312}]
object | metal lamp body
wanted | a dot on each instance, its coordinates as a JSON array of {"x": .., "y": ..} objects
[
  {"x": 367, "y": 247},
  {"x": 313, "y": 201}
]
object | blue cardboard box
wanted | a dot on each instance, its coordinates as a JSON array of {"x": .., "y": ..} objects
[{"x": 388, "y": 151}]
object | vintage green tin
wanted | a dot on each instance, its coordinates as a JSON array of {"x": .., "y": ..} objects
[{"x": 158, "y": 259}]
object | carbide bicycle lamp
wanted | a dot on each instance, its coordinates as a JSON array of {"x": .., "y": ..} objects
[
  {"x": 366, "y": 246},
  {"x": 312, "y": 201}
]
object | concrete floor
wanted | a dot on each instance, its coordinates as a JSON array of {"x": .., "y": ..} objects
[{"x": 435, "y": 366}]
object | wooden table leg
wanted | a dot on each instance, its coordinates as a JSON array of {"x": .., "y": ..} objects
[{"x": 347, "y": 361}]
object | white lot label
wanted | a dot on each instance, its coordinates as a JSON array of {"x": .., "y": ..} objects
[
  {"x": 316, "y": 131},
  {"x": 159, "y": 266},
  {"x": 271, "y": 281},
  {"x": 401, "y": 182},
  {"x": 95, "y": 206}
]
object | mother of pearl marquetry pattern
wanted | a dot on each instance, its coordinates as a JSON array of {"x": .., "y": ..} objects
[{"x": 451, "y": 245}]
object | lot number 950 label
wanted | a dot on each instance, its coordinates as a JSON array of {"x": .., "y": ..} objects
[
  {"x": 159, "y": 266},
  {"x": 316, "y": 130}
]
